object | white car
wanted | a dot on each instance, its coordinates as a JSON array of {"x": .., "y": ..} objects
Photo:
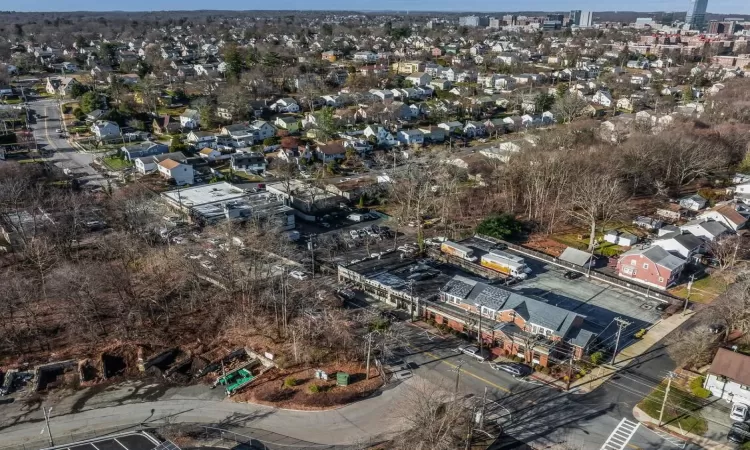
[
  {"x": 354, "y": 234},
  {"x": 178, "y": 240},
  {"x": 473, "y": 351},
  {"x": 739, "y": 412},
  {"x": 58, "y": 130},
  {"x": 297, "y": 275},
  {"x": 402, "y": 375},
  {"x": 207, "y": 265}
]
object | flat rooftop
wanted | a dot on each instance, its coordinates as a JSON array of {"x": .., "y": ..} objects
[
  {"x": 202, "y": 195},
  {"x": 126, "y": 441}
]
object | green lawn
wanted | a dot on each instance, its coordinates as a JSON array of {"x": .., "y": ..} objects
[
  {"x": 704, "y": 290},
  {"x": 32, "y": 160},
  {"x": 116, "y": 163},
  {"x": 14, "y": 101},
  {"x": 675, "y": 414}
]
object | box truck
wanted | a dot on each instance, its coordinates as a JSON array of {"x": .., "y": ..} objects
[
  {"x": 506, "y": 263},
  {"x": 458, "y": 250}
]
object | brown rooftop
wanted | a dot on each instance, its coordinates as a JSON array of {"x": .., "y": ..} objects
[{"x": 733, "y": 365}]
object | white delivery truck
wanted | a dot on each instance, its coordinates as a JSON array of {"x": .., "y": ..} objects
[{"x": 506, "y": 263}]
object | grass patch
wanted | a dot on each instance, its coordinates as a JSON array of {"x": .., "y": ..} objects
[
  {"x": 704, "y": 290},
  {"x": 33, "y": 160},
  {"x": 13, "y": 101},
  {"x": 116, "y": 163},
  {"x": 675, "y": 414}
]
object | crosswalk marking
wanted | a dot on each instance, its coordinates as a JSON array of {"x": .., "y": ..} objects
[
  {"x": 677, "y": 442},
  {"x": 621, "y": 435}
]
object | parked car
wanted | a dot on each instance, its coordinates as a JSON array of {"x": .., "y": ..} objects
[
  {"x": 517, "y": 370},
  {"x": 572, "y": 275},
  {"x": 402, "y": 375},
  {"x": 354, "y": 234},
  {"x": 739, "y": 412},
  {"x": 473, "y": 351},
  {"x": 739, "y": 433},
  {"x": 716, "y": 328},
  {"x": 297, "y": 275}
]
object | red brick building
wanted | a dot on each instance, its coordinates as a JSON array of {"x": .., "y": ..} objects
[{"x": 653, "y": 266}]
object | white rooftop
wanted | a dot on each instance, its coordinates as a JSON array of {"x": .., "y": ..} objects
[{"x": 202, "y": 195}]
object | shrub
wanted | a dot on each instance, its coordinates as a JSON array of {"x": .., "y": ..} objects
[
  {"x": 696, "y": 387},
  {"x": 290, "y": 382},
  {"x": 545, "y": 370},
  {"x": 314, "y": 389},
  {"x": 596, "y": 358}
]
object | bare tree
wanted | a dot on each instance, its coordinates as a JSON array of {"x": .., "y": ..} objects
[
  {"x": 693, "y": 347},
  {"x": 569, "y": 107},
  {"x": 727, "y": 250},
  {"x": 596, "y": 198}
]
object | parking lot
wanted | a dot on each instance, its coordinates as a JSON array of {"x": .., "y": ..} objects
[
  {"x": 601, "y": 303},
  {"x": 125, "y": 441}
]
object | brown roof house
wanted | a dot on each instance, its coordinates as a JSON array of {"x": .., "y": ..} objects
[
  {"x": 729, "y": 376},
  {"x": 165, "y": 125}
]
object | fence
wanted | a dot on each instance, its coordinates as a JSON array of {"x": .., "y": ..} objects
[{"x": 595, "y": 274}]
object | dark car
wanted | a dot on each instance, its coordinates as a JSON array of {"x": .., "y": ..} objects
[
  {"x": 739, "y": 433},
  {"x": 572, "y": 275}
]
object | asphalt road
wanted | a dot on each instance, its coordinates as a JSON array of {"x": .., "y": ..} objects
[
  {"x": 64, "y": 156},
  {"x": 539, "y": 413}
]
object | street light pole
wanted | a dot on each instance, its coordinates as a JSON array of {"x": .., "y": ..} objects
[
  {"x": 46, "y": 421},
  {"x": 666, "y": 394}
]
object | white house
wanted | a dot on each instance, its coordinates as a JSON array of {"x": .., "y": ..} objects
[
  {"x": 262, "y": 130},
  {"x": 419, "y": 79},
  {"x": 209, "y": 154},
  {"x": 104, "y": 129},
  {"x": 693, "y": 202},
  {"x": 190, "y": 119},
  {"x": 410, "y": 137},
  {"x": 382, "y": 136},
  {"x": 602, "y": 98},
  {"x": 201, "y": 139},
  {"x": 729, "y": 376},
  {"x": 727, "y": 214},
  {"x": 709, "y": 230},
  {"x": 683, "y": 244},
  {"x": 248, "y": 162},
  {"x": 147, "y": 164},
  {"x": 170, "y": 169},
  {"x": 286, "y": 104}
]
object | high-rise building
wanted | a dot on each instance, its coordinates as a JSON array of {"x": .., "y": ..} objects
[
  {"x": 473, "y": 21},
  {"x": 696, "y": 14},
  {"x": 574, "y": 18},
  {"x": 587, "y": 19}
]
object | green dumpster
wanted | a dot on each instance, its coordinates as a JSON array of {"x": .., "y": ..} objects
[{"x": 342, "y": 379}]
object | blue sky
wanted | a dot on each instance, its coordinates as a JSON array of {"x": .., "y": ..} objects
[{"x": 717, "y": 6}]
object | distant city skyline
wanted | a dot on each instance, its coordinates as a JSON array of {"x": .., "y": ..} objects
[{"x": 646, "y": 6}]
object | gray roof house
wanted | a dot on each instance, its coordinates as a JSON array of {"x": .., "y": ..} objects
[
  {"x": 146, "y": 148},
  {"x": 577, "y": 257}
]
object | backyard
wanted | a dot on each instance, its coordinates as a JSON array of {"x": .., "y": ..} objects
[
  {"x": 704, "y": 290},
  {"x": 116, "y": 163}
]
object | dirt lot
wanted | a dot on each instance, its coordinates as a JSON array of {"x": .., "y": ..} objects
[{"x": 275, "y": 388}]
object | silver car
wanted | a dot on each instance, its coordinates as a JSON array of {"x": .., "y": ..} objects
[{"x": 473, "y": 351}]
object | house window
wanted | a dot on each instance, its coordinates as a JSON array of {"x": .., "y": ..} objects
[
  {"x": 645, "y": 266},
  {"x": 661, "y": 280},
  {"x": 745, "y": 388},
  {"x": 632, "y": 262}
]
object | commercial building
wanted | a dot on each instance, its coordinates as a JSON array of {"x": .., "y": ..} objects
[
  {"x": 511, "y": 323},
  {"x": 696, "y": 14},
  {"x": 473, "y": 21},
  {"x": 215, "y": 202}
]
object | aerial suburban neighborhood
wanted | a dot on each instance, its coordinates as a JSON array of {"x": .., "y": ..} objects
[{"x": 374, "y": 230}]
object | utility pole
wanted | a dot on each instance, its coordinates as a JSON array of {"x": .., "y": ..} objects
[
  {"x": 311, "y": 244},
  {"x": 479, "y": 332},
  {"x": 621, "y": 323},
  {"x": 666, "y": 394},
  {"x": 689, "y": 289},
  {"x": 484, "y": 406},
  {"x": 46, "y": 421},
  {"x": 570, "y": 373},
  {"x": 458, "y": 376},
  {"x": 369, "y": 346}
]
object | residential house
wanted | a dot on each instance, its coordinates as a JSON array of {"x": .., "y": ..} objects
[
  {"x": 452, "y": 127},
  {"x": 201, "y": 139},
  {"x": 728, "y": 377},
  {"x": 181, "y": 173},
  {"x": 190, "y": 119},
  {"x": 224, "y": 113},
  {"x": 433, "y": 134},
  {"x": 94, "y": 115},
  {"x": 709, "y": 230},
  {"x": 440, "y": 84},
  {"x": 289, "y": 123},
  {"x": 286, "y": 104},
  {"x": 686, "y": 245},
  {"x": 165, "y": 125},
  {"x": 333, "y": 151},
  {"x": 147, "y": 164},
  {"x": 577, "y": 257},
  {"x": 603, "y": 98},
  {"x": 727, "y": 213},
  {"x": 209, "y": 154},
  {"x": 140, "y": 149},
  {"x": 520, "y": 325},
  {"x": 60, "y": 86},
  {"x": 625, "y": 104},
  {"x": 397, "y": 111},
  {"x": 410, "y": 137},
  {"x": 105, "y": 129},
  {"x": 248, "y": 162},
  {"x": 262, "y": 130},
  {"x": 648, "y": 223},
  {"x": 474, "y": 129},
  {"x": 419, "y": 79},
  {"x": 693, "y": 202},
  {"x": 653, "y": 266},
  {"x": 381, "y": 136},
  {"x": 742, "y": 191},
  {"x": 239, "y": 135}
]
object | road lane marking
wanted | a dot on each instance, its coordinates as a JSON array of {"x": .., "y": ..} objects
[
  {"x": 46, "y": 130},
  {"x": 454, "y": 366}
]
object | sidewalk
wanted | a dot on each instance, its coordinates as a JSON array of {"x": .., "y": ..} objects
[
  {"x": 652, "y": 424},
  {"x": 656, "y": 333}
]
